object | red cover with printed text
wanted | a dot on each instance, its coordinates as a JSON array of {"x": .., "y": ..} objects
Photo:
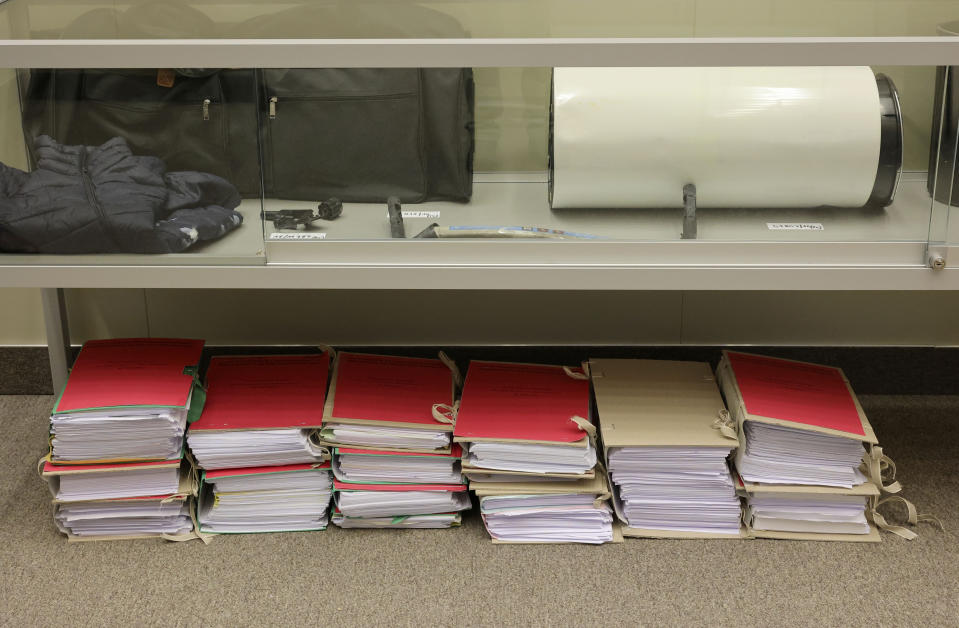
[
  {"x": 264, "y": 392},
  {"x": 391, "y": 390},
  {"x": 521, "y": 402},
  {"x": 797, "y": 392},
  {"x": 131, "y": 372}
]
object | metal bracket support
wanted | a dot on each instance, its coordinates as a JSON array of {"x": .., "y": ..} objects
[
  {"x": 58, "y": 335},
  {"x": 936, "y": 256},
  {"x": 689, "y": 207}
]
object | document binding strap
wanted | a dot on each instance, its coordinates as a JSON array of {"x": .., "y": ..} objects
[{"x": 446, "y": 413}]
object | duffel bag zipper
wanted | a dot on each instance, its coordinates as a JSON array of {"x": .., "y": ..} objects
[
  {"x": 206, "y": 108},
  {"x": 90, "y": 190},
  {"x": 275, "y": 99}
]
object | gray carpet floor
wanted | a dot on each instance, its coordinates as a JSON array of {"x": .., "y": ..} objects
[{"x": 457, "y": 577}]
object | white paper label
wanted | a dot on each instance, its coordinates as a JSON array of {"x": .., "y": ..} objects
[
  {"x": 306, "y": 235},
  {"x": 419, "y": 213},
  {"x": 794, "y": 226}
]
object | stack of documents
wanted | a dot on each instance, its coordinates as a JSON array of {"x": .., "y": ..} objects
[
  {"x": 121, "y": 501},
  {"x": 261, "y": 411},
  {"x": 392, "y": 500},
  {"x": 802, "y": 432},
  {"x": 390, "y": 420},
  {"x": 531, "y": 457},
  {"x": 115, "y": 466},
  {"x": 775, "y": 454},
  {"x": 525, "y": 420},
  {"x": 70, "y": 483},
  {"x": 819, "y": 513},
  {"x": 123, "y": 519},
  {"x": 387, "y": 403},
  {"x": 564, "y": 511},
  {"x": 266, "y": 499},
  {"x": 664, "y": 450},
  {"x": 127, "y": 400},
  {"x": 423, "y": 522},
  {"x": 397, "y": 467}
]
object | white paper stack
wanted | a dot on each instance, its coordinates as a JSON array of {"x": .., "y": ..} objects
[
  {"x": 271, "y": 499},
  {"x": 129, "y": 518},
  {"x": 435, "y": 521},
  {"x": 376, "y": 436},
  {"x": 372, "y": 502},
  {"x": 775, "y": 454},
  {"x": 532, "y": 458},
  {"x": 809, "y": 513},
  {"x": 687, "y": 489},
  {"x": 382, "y": 467},
  {"x": 135, "y": 482},
  {"x": 557, "y": 518},
  {"x": 122, "y": 434},
  {"x": 253, "y": 448}
]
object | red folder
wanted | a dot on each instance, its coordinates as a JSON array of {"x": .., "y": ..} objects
[
  {"x": 455, "y": 452},
  {"x": 264, "y": 392},
  {"x": 524, "y": 402},
  {"x": 131, "y": 372},
  {"x": 286, "y": 468},
  {"x": 803, "y": 393},
  {"x": 346, "y": 486},
  {"x": 389, "y": 389}
]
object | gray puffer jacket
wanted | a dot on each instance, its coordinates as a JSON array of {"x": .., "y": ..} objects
[{"x": 103, "y": 199}]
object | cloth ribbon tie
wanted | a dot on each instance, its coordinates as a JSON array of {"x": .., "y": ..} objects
[
  {"x": 912, "y": 517},
  {"x": 881, "y": 469},
  {"x": 445, "y": 413},
  {"x": 576, "y": 374},
  {"x": 724, "y": 423},
  {"x": 451, "y": 365},
  {"x": 584, "y": 425}
]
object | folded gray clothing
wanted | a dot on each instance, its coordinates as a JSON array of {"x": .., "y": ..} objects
[{"x": 104, "y": 199}]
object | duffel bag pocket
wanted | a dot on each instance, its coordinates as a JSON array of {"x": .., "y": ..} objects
[{"x": 353, "y": 134}]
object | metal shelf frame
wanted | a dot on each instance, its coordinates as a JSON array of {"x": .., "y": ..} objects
[{"x": 685, "y": 265}]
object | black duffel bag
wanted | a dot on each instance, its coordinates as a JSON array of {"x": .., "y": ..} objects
[{"x": 361, "y": 135}]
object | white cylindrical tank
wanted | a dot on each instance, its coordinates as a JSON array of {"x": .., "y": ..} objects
[{"x": 745, "y": 137}]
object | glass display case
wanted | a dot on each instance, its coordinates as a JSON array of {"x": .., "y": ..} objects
[{"x": 546, "y": 135}]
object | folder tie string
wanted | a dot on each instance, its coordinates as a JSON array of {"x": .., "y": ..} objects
[
  {"x": 189, "y": 536},
  {"x": 446, "y": 413},
  {"x": 601, "y": 499},
  {"x": 882, "y": 469},
  {"x": 451, "y": 365},
  {"x": 327, "y": 349},
  {"x": 40, "y": 464},
  {"x": 725, "y": 424},
  {"x": 584, "y": 425},
  {"x": 584, "y": 375},
  {"x": 912, "y": 517}
]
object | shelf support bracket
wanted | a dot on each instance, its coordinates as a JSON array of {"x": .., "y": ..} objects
[
  {"x": 689, "y": 208},
  {"x": 58, "y": 336},
  {"x": 936, "y": 256}
]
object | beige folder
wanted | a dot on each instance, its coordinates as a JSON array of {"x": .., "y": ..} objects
[
  {"x": 867, "y": 489},
  {"x": 658, "y": 403},
  {"x": 596, "y": 485},
  {"x": 737, "y": 409}
]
